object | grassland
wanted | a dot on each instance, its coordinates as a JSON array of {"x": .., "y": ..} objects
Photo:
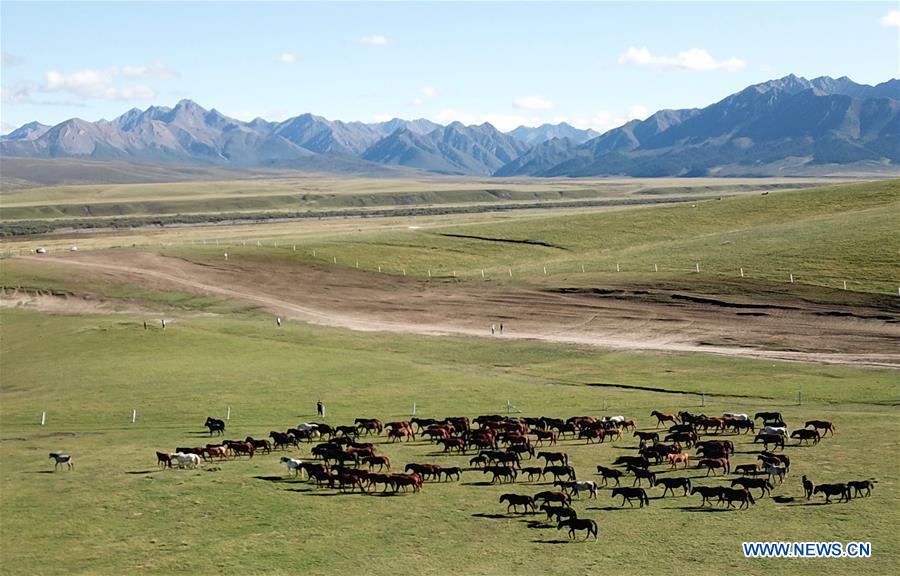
[{"x": 116, "y": 512}]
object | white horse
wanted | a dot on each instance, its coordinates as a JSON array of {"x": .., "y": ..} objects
[
  {"x": 734, "y": 416},
  {"x": 306, "y": 426},
  {"x": 186, "y": 460},
  {"x": 588, "y": 486},
  {"x": 782, "y": 430},
  {"x": 62, "y": 459},
  {"x": 294, "y": 465},
  {"x": 616, "y": 419}
]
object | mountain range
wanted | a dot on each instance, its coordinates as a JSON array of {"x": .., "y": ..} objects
[{"x": 786, "y": 126}]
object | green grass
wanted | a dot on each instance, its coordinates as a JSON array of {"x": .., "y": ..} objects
[
  {"x": 823, "y": 237},
  {"x": 116, "y": 512}
]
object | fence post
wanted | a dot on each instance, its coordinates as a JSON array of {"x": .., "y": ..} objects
[
  {"x": 702, "y": 399},
  {"x": 133, "y": 416},
  {"x": 228, "y": 413},
  {"x": 43, "y": 418},
  {"x": 742, "y": 272},
  {"x": 799, "y": 398}
]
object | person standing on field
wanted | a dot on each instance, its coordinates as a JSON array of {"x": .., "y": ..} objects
[{"x": 320, "y": 409}]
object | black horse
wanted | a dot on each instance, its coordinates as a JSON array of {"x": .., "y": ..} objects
[
  {"x": 673, "y": 483},
  {"x": 574, "y": 524},
  {"x": 215, "y": 425},
  {"x": 628, "y": 494}
]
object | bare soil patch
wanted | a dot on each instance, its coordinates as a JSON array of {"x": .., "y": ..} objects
[{"x": 641, "y": 320}]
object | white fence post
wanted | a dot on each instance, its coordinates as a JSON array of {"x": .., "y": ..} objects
[
  {"x": 228, "y": 414},
  {"x": 43, "y": 418},
  {"x": 133, "y": 416}
]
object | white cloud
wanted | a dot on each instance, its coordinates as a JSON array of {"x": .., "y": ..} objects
[
  {"x": 417, "y": 102},
  {"x": 374, "y": 40},
  {"x": 532, "y": 103},
  {"x": 17, "y": 95},
  {"x": 106, "y": 83},
  {"x": 429, "y": 91},
  {"x": 286, "y": 58},
  {"x": 8, "y": 59},
  {"x": 693, "y": 59},
  {"x": 892, "y": 19}
]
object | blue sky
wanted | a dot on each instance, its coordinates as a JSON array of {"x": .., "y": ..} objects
[{"x": 591, "y": 64}]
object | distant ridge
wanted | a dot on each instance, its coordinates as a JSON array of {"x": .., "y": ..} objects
[{"x": 787, "y": 126}]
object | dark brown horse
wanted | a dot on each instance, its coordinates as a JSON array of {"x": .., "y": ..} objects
[
  {"x": 164, "y": 459},
  {"x": 708, "y": 493},
  {"x": 501, "y": 473},
  {"x": 824, "y": 425},
  {"x": 859, "y": 485},
  {"x": 559, "y": 512},
  {"x": 673, "y": 483},
  {"x": 607, "y": 473},
  {"x": 628, "y": 494},
  {"x": 515, "y": 500},
  {"x": 830, "y": 490},
  {"x": 554, "y": 457},
  {"x": 560, "y": 497},
  {"x": 742, "y": 495},
  {"x": 806, "y": 435},
  {"x": 748, "y": 483}
]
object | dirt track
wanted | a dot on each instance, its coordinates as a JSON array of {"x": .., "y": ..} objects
[{"x": 653, "y": 320}]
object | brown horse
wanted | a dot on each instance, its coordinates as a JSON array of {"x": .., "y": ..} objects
[
  {"x": 559, "y": 511},
  {"x": 548, "y": 435},
  {"x": 560, "y": 497},
  {"x": 647, "y": 436},
  {"x": 554, "y": 457},
  {"x": 673, "y": 483},
  {"x": 515, "y": 500},
  {"x": 501, "y": 473},
  {"x": 748, "y": 469},
  {"x": 713, "y": 463},
  {"x": 664, "y": 417},
  {"x": 382, "y": 462},
  {"x": 748, "y": 483},
  {"x": 533, "y": 471},
  {"x": 808, "y": 487}
]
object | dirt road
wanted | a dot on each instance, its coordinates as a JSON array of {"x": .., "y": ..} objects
[{"x": 641, "y": 320}]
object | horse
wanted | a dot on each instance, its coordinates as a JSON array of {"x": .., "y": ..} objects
[
  {"x": 640, "y": 474},
  {"x": 748, "y": 483},
  {"x": 215, "y": 425},
  {"x": 186, "y": 460},
  {"x": 745, "y": 425},
  {"x": 515, "y": 500},
  {"x": 635, "y": 461},
  {"x": 282, "y": 440},
  {"x": 673, "y": 483},
  {"x": 554, "y": 457},
  {"x": 451, "y": 471},
  {"x": 729, "y": 495},
  {"x": 664, "y": 417},
  {"x": 766, "y": 439},
  {"x": 220, "y": 451},
  {"x": 501, "y": 473},
  {"x": 712, "y": 463},
  {"x": 67, "y": 460},
  {"x": 779, "y": 471},
  {"x": 647, "y": 436},
  {"x": 369, "y": 425},
  {"x": 679, "y": 457},
  {"x": 575, "y": 487},
  {"x": 424, "y": 470},
  {"x": 259, "y": 444},
  {"x": 607, "y": 473},
  {"x": 859, "y": 485},
  {"x": 807, "y": 435},
  {"x": 748, "y": 469},
  {"x": 733, "y": 416},
  {"x": 164, "y": 459},
  {"x": 560, "y": 497},
  {"x": 294, "y": 465},
  {"x": 830, "y": 490},
  {"x": 559, "y": 511},
  {"x": 777, "y": 459},
  {"x": 457, "y": 444},
  {"x": 478, "y": 461},
  {"x": 808, "y": 487},
  {"x": 533, "y": 471},
  {"x": 560, "y": 471},
  {"x": 400, "y": 433},
  {"x": 546, "y": 435},
  {"x": 768, "y": 416},
  {"x": 821, "y": 425},
  {"x": 782, "y": 430},
  {"x": 382, "y": 461},
  {"x": 574, "y": 524},
  {"x": 707, "y": 492},
  {"x": 628, "y": 494}
]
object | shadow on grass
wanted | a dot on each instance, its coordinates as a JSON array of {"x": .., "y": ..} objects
[
  {"x": 476, "y": 484},
  {"x": 537, "y": 524},
  {"x": 492, "y": 516},
  {"x": 270, "y": 478},
  {"x": 550, "y": 541},
  {"x": 612, "y": 508},
  {"x": 301, "y": 490},
  {"x": 41, "y": 472},
  {"x": 704, "y": 509},
  {"x": 144, "y": 471}
]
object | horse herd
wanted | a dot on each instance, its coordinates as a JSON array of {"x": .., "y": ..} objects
[{"x": 500, "y": 445}]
